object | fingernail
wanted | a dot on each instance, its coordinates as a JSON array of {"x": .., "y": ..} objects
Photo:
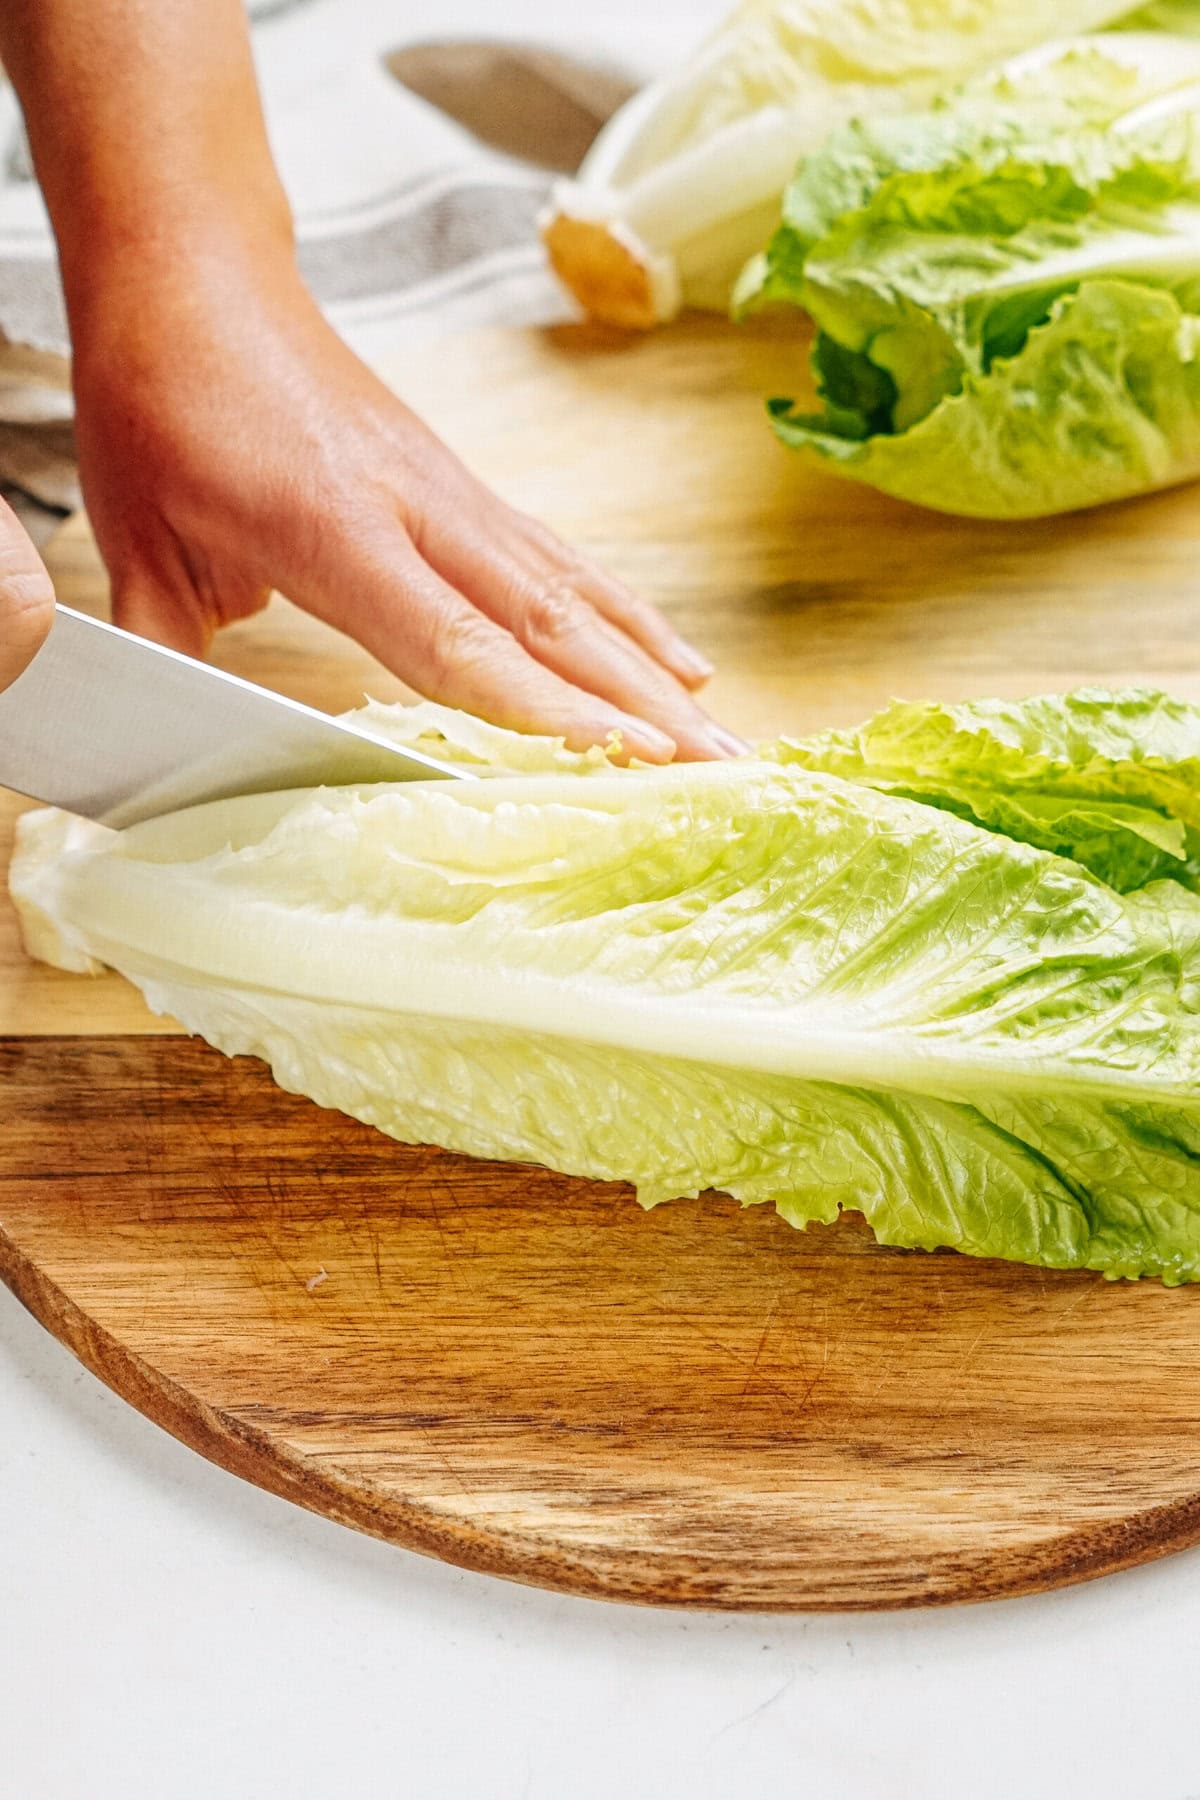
[
  {"x": 691, "y": 662},
  {"x": 640, "y": 739},
  {"x": 726, "y": 743}
]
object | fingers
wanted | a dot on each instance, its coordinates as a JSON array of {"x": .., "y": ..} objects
[
  {"x": 26, "y": 598},
  {"x": 560, "y": 630},
  {"x": 458, "y": 508},
  {"x": 640, "y": 621},
  {"x": 546, "y": 608},
  {"x": 419, "y": 626}
]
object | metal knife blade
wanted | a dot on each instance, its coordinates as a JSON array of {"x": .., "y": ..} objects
[{"x": 119, "y": 729}]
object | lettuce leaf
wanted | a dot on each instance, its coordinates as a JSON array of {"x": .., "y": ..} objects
[
  {"x": 771, "y": 977},
  {"x": 1178, "y": 16},
  {"x": 1110, "y": 780},
  {"x": 1007, "y": 289},
  {"x": 1032, "y": 110},
  {"x": 1101, "y": 404}
]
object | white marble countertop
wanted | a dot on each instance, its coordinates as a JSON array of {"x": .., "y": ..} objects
[{"x": 170, "y": 1632}]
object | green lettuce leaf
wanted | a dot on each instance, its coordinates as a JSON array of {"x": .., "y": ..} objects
[
  {"x": 1034, "y": 111},
  {"x": 1180, "y": 17},
  {"x": 1006, "y": 289},
  {"x": 763, "y": 977},
  {"x": 1102, "y": 403},
  {"x": 1111, "y": 780}
]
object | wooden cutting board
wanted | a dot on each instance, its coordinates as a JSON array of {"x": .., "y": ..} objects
[{"x": 526, "y": 1374}]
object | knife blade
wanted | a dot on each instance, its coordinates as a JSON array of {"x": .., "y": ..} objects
[{"x": 119, "y": 729}]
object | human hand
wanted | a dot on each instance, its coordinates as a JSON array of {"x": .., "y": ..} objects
[
  {"x": 26, "y": 599},
  {"x": 230, "y": 443}
]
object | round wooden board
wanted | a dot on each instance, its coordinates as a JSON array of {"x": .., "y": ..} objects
[{"x": 526, "y": 1374}]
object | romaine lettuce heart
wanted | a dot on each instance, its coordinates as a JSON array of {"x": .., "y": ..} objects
[{"x": 759, "y": 977}]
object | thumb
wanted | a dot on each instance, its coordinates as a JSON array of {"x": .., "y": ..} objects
[{"x": 26, "y": 598}]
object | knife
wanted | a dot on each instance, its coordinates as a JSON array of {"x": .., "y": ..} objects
[{"x": 119, "y": 729}]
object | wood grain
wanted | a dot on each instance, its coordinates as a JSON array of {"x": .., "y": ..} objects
[
  {"x": 526, "y": 1374},
  {"x": 532, "y": 1377}
]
